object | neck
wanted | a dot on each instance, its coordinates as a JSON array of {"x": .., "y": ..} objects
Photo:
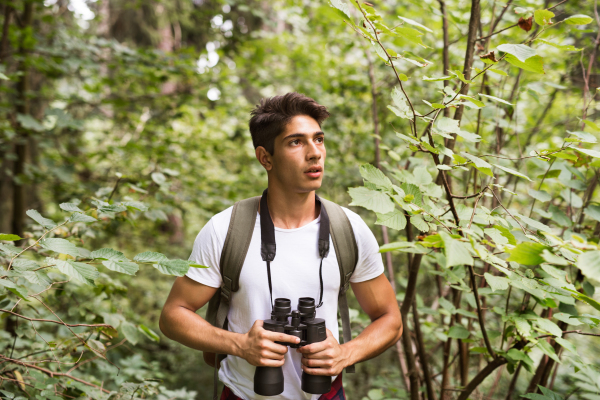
[{"x": 290, "y": 210}]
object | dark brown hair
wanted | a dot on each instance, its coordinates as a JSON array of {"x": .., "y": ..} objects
[{"x": 270, "y": 117}]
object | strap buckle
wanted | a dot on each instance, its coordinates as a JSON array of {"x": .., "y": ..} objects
[{"x": 226, "y": 289}]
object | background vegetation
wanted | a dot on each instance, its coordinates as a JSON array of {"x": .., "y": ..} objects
[{"x": 473, "y": 125}]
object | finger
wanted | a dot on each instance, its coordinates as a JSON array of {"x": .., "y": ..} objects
[
  {"x": 314, "y": 347},
  {"x": 266, "y": 362},
  {"x": 273, "y": 347},
  {"x": 320, "y": 355},
  {"x": 318, "y": 371},
  {"x": 312, "y": 363},
  {"x": 271, "y": 355},
  {"x": 281, "y": 337}
]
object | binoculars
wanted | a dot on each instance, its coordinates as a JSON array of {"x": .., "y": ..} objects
[{"x": 268, "y": 381}]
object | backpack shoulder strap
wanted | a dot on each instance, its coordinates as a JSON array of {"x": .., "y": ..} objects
[
  {"x": 346, "y": 251},
  {"x": 233, "y": 255}
]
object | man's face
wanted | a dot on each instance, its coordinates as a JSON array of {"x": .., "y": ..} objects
[{"x": 298, "y": 162}]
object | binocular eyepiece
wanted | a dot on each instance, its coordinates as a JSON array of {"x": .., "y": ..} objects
[{"x": 268, "y": 381}]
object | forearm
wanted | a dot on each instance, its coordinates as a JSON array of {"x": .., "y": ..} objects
[
  {"x": 188, "y": 328},
  {"x": 382, "y": 333}
]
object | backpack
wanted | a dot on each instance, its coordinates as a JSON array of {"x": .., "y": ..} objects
[{"x": 239, "y": 235}]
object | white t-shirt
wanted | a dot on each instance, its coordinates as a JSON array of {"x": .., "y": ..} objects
[{"x": 294, "y": 274}]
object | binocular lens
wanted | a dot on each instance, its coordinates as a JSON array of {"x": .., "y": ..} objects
[{"x": 282, "y": 306}]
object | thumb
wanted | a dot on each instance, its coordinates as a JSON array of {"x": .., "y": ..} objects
[{"x": 258, "y": 324}]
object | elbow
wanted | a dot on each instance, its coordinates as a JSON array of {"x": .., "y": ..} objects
[
  {"x": 399, "y": 327},
  {"x": 163, "y": 324}
]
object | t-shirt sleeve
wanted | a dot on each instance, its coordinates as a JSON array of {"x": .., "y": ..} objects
[
  {"x": 370, "y": 262},
  {"x": 207, "y": 251}
]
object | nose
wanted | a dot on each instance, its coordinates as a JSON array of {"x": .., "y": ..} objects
[{"x": 313, "y": 151}]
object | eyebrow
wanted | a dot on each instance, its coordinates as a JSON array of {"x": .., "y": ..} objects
[{"x": 294, "y": 135}]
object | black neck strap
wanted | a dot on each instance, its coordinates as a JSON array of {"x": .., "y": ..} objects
[{"x": 268, "y": 247}]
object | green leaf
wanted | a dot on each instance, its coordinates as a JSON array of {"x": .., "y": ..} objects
[
  {"x": 395, "y": 220},
  {"x": 460, "y": 76},
  {"x": 533, "y": 64},
  {"x": 512, "y": 171},
  {"x": 468, "y": 136},
  {"x": 480, "y": 164},
  {"x": 593, "y": 211},
  {"x": 79, "y": 217},
  {"x": 373, "y": 200},
  {"x": 410, "y": 34},
  {"x": 542, "y": 17},
  {"x": 448, "y": 125},
  {"x": 566, "y": 345},
  {"x": 150, "y": 333},
  {"x": 10, "y": 250},
  {"x": 376, "y": 176},
  {"x": 422, "y": 176},
  {"x": 507, "y": 234},
  {"x": 150, "y": 256},
  {"x": 553, "y": 258},
  {"x": 30, "y": 123},
  {"x": 37, "y": 217},
  {"x": 173, "y": 267},
  {"x": 436, "y": 79},
  {"x": 20, "y": 291},
  {"x": 125, "y": 267},
  {"x": 9, "y": 237},
  {"x": 456, "y": 251},
  {"x": 589, "y": 264},
  {"x": 395, "y": 246},
  {"x": 578, "y": 19},
  {"x": 548, "y": 350},
  {"x": 130, "y": 332},
  {"x": 342, "y": 6},
  {"x": 565, "y": 47},
  {"x": 417, "y": 222},
  {"x": 136, "y": 205},
  {"x": 522, "y": 326},
  {"x": 60, "y": 246},
  {"x": 5, "y": 78},
  {"x": 70, "y": 207},
  {"x": 497, "y": 71},
  {"x": 533, "y": 223},
  {"x": 458, "y": 332},
  {"x": 497, "y": 99},
  {"x": 540, "y": 195},
  {"x": 84, "y": 273},
  {"x": 108, "y": 254},
  {"x": 496, "y": 282},
  {"x": 527, "y": 253},
  {"x": 520, "y": 51},
  {"x": 37, "y": 277},
  {"x": 584, "y": 136},
  {"x": 401, "y": 107},
  {"x": 591, "y": 153},
  {"x": 548, "y": 326},
  {"x": 415, "y": 23}
]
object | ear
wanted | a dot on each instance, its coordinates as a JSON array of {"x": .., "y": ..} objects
[{"x": 264, "y": 158}]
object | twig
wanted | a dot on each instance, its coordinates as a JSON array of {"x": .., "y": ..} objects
[{"x": 56, "y": 322}]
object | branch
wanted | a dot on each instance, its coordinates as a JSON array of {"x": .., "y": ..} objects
[
  {"x": 579, "y": 332},
  {"x": 55, "y": 322},
  {"x": 52, "y": 373}
]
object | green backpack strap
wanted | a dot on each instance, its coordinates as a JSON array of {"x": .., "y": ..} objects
[
  {"x": 233, "y": 255},
  {"x": 346, "y": 252}
]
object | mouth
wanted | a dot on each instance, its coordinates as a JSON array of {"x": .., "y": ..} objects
[{"x": 314, "y": 172}]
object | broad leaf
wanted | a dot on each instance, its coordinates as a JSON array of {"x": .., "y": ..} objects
[
  {"x": 376, "y": 176},
  {"x": 84, "y": 273},
  {"x": 130, "y": 332},
  {"x": 37, "y": 217},
  {"x": 395, "y": 220},
  {"x": 456, "y": 251},
  {"x": 415, "y": 23},
  {"x": 520, "y": 51},
  {"x": 9, "y": 237},
  {"x": 125, "y": 267},
  {"x": 540, "y": 195},
  {"x": 373, "y": 200},
  {"x": 548, "y": 326},
  {"x": 173, "y": 267},
  {"x": 60, "y": 246},
  {"x": 79, "y": 217},
  {"x": 578, "y": 19},
  {"x": 533, "y": 64},
  {"x": 513, "y": 172},
  {"x": 70, "y": 207},
  {"x": 496, "y": 99},
  {"x": 589, "y": 264},
  {"x": 458, "y": 332},
  {"x": 527, "y": 253},
  {"x": 496, "y": 282},
  {"x": 542, "y": 17},
  {"x": 149, "y": 256}
]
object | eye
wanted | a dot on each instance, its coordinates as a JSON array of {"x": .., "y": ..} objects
[
  {"x": 320, "y": 139},
  {"x": 295, "y": 142}
]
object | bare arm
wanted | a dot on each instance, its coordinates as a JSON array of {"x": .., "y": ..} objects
[
  {"x": 376, "y": 297},
  {"x": 179, "y": 322}
]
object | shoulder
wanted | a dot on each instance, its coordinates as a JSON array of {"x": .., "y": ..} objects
[
  {"x": 220, "y": 222},
  {"x": 356, "y": 221}
]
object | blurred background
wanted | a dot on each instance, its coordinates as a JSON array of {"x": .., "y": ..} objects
[{"x": 150, "y": 101}]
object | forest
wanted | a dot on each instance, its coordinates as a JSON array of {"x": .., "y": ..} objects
[{"x": 464, "y": 132}]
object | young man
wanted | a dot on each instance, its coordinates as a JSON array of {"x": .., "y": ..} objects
[{"x": 289, "y": 143}]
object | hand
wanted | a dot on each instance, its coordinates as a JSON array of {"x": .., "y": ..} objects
[
  {"x": 259, "y": 348},
  {"x": 324, "y": 358}
]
